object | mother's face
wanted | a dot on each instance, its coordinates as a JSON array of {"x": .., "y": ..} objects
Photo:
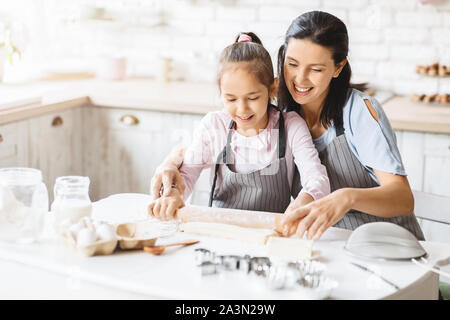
[{"x": 308, "y": 70}]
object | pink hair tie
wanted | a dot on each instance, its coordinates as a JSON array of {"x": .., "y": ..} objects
[{"x": 244, "y": 38}]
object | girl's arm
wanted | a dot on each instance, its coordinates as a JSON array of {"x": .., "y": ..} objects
[
  {"x": 313, "y": 175},
  {"x": 392, "y": 198}
]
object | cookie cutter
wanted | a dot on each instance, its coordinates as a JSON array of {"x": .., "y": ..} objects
[
  {"x": 283, "y": 276},
  {"x": 208, "y": 268},
  {"x": 260, "y": 265},
  {"x": 228, "y": 262},
  {"x": 308, "y": 267},
  {"x": 204, "y": 255}
]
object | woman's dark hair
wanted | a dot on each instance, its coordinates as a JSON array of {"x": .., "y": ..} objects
[
  {"x": 253, "y": 53},
  {"x": 328, "y": 31}
]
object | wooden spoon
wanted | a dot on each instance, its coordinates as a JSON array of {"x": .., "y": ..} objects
[{"x": 157, "y": 250}]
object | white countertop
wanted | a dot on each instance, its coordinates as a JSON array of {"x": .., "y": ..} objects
[{"x": 173, "y": 275}]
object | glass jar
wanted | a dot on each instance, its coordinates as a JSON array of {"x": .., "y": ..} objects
[
  {"x": 71, "y": 201},
  {"x": 23, "y": 204}
]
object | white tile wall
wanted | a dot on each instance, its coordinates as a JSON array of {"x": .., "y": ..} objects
[{"x": 387, "y": 37}]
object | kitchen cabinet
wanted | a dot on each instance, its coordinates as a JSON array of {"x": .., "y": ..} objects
[
  {"x": 13, "y": 144},
  {"x": 54, "y": 145},
  {"x": 426, "y": 157},
  {"x": 123, "y": 147}
]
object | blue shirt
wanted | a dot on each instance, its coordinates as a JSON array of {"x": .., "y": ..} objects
[{"x": 372, "y": 142}]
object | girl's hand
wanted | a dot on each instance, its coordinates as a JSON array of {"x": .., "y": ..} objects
[
  {"x": 166, "y": 178},
  {"x": 302, "y": 199},
  {"x": 166, "y": 207},
  {"x": 316, "y": 217}
]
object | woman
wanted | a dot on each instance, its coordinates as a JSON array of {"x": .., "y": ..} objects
[{"x": 350, "y": 130}]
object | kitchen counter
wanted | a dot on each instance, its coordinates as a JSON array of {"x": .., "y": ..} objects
[
  {"x": 408, "y": 115},
  {"x": 139, "y": 275},
  {"x": 21, "y": 101},
  {"x": 50, "y": 270}
]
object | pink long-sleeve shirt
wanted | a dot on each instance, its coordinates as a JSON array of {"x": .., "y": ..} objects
[{"x": 255, "y": 152}]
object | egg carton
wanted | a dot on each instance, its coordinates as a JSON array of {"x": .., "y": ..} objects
[
  {"x": 88, "y": 237},
  {"x": 135, "y": 236},
  {"x": 98, "y": 247},
  {"x": 127, "y": 236}
]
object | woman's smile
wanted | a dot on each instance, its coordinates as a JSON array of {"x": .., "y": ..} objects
[{"x": 302, "y": 90}]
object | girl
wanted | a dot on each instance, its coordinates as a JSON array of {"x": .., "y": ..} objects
[
  {"x": 350, "y": 130},
  {"x": 255, "y": 147}
]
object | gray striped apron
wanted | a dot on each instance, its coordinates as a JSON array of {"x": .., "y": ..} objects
[
  {"x": 346, "y": 171},
  {"x": 267, "y": 189}
]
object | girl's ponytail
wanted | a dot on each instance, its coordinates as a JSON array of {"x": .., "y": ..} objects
[{"x": 248, "y": 49}]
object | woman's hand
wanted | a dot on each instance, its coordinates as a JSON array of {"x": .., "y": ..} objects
[
  {"x": 166, "y": 207},
  {"x": 316, "y": 217},
  {"x": 166, "y": 178}
]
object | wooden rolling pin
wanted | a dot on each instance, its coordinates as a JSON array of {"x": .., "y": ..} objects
[{"x": 243, "y": 218}]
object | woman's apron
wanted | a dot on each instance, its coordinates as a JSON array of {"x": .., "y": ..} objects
[
  {"x": 346, "y": 171},
  {"x": 267, "y": 189}
]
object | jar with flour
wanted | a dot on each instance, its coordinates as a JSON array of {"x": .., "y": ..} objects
[
  {"x": 71, "y": 201},
  {"x": 23, "y": 204}
]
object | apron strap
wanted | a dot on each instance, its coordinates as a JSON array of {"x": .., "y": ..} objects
[
  {"x": 340, "y": 130},
  {"x": 340, "y": 127},
  {"x": 216, "y": 170},
  {"x": 281, "y": 135}
]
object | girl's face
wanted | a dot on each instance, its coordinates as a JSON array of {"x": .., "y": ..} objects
[
  {"x": 308, "y": 70},
  {"x": 245, "y": 98}
]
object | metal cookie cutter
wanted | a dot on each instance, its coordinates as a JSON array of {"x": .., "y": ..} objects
[
  {"x": 244, "y": 264},
  {"x": 208, "y": 268},
  {"x": 206, "y": 260},
  {"x": 204, "y": 255},
  {"x": 282, "y": 276},
  {"x": 229, "y": 262},
  {"x": 311, "y": 281},
  {"x": 308, "y": 267},
  {"x": 260, "y": 265}
]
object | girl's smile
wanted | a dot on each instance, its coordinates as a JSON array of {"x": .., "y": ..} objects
[{"x": 244, "y": 118}]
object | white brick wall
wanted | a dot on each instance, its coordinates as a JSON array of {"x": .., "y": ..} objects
[{"x": 388, "y": 38}]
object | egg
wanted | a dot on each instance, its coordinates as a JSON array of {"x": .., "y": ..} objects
[
  {"x": 87, "y": 223},
  {"x": 86, "y": 237},
  {"x": 106, "y": 232},
  {"x": 75, "y": 229}
]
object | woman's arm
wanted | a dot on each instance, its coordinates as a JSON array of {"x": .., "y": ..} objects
[
  {"x": 167, "y": 174},
  {"x": 392, "y": 198}
]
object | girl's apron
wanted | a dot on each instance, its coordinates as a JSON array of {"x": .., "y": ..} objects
[
  {"x": 345, "y": 171},
  {"x": 267, "y": 189}
]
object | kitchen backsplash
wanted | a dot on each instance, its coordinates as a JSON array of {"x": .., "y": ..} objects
[{"x": 388, "y": 38}]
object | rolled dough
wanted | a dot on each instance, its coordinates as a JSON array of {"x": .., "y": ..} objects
[
  {"x": 228, "y": 231},
  {"x": 290, "y": 248}
]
